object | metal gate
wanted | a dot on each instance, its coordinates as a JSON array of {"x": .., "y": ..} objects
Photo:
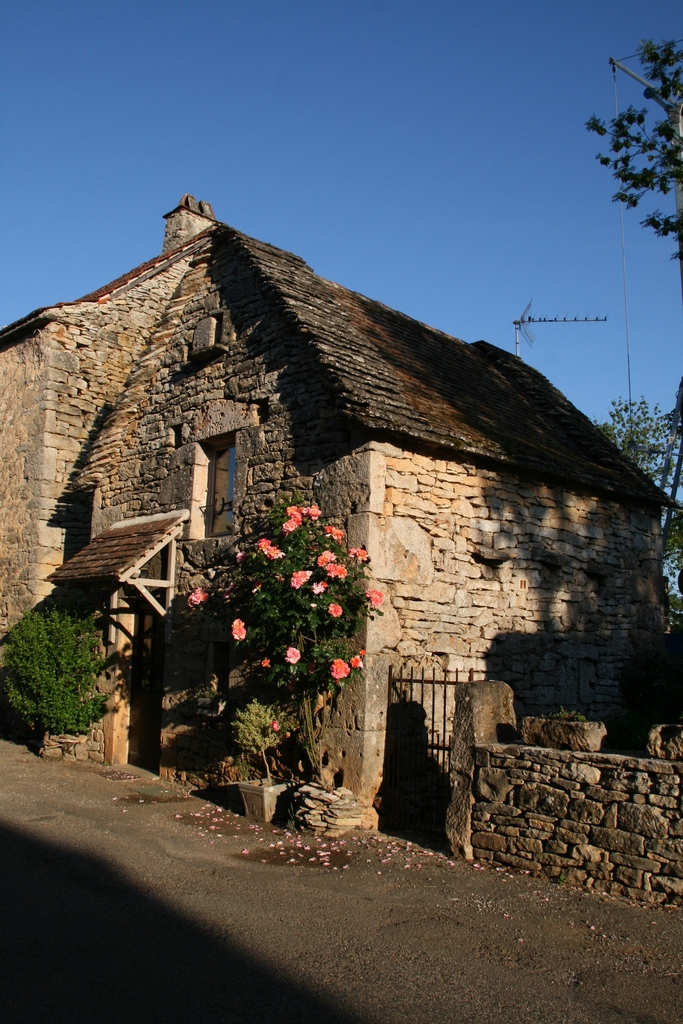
[{"x": 417, "y": 759}]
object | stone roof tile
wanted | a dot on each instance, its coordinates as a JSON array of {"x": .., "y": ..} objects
[
  {"x": 401, "y": 376},
  {"x": 113, "y": 553}
]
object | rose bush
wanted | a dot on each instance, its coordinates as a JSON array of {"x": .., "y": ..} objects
[{"x": 295, "y": 603}]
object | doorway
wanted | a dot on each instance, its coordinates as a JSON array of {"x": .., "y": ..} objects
[{"x": 146, "y": 689}]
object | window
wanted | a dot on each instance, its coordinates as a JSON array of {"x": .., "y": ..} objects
[{"x": 220, "y": 490}]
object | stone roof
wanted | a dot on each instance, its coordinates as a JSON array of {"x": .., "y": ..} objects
[
  {"x": 120, "y": 549},
  {"x": 44, "y": 314},
  {"x": 403, "y": 378}
]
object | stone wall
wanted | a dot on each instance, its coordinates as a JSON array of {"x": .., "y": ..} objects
[
  {"x": 22, "y": 372},
  {"x": 606, "y": 821},
  {"x": 59, "y": 381},
  {"x": 262, "y": 387},
  {"x": 532, "y": 584},
  {"x": 88, "y": 747}
]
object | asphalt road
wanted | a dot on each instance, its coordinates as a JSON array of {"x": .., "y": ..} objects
[{"x": 122, "y": 903}]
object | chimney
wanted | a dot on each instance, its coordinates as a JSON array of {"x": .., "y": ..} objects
[{"x": 187, "y": 220}]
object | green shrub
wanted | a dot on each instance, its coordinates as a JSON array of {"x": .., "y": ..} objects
[
  {"x": 257, "y": 728},
  {"x": 53, "y": 658},
  {"x": 652, "y": 685},
  {"x": 627, "y": 733}
]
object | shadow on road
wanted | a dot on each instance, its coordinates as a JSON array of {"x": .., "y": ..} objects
[{"x": 78, "y": 941}]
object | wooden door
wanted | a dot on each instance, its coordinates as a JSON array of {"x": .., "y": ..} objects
[{"x": 147, "y": 689}]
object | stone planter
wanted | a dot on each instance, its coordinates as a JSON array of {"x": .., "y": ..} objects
[
  {"x": 263, "y": 802},
  {"x": 666, "y": 742},
  {"x": 562, "y": 734}
]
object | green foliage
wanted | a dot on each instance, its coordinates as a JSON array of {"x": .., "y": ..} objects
[
  {"x": 638, "y": 428},
  {"x": 259, "y": 727},
  {"x": 652, "y": 685},
  {"x": 295, "y": 604},
  {"x": 53, "y": 658},
  {"x": 627, "y": 733},
  {"x": 644, "y": 428},
  {"x": 563, "y": 715},
  {"x": 646, "y": 157},
  {"x": 676, "y": 612}
]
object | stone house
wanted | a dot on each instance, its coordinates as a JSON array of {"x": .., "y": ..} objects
[{"x": 161, "y": 416}]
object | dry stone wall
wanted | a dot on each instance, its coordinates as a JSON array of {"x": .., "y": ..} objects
[
  {"x": 606, "y": 821},
  {"x": 88, "y": 747}
]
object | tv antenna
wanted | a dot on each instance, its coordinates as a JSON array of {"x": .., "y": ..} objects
[{"x": 522, "y": 325}]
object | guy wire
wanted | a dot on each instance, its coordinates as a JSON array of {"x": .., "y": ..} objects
[{"x": 623, "y": 269}]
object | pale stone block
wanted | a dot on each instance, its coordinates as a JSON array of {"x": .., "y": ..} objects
[
  {"x": 48, "y": 467},
  {"x": 383, "y": 632}
]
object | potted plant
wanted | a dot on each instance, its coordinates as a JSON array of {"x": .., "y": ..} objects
[{"x": 256, "y": 729}]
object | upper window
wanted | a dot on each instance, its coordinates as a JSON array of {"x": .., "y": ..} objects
[{"x": 220, "y": 491}]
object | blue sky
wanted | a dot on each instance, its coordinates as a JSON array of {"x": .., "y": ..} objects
[{"x": 430, "y": 154}]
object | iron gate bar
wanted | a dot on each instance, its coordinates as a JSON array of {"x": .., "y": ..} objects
[{"x": 417, "y": 763}]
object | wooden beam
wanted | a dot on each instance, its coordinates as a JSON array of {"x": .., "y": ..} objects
[
  {"x": 170, "y": 591},
  {"x": 113, "y": 608},
  {"x": 150, "y": 583},
  {"x": 139, "y": 585}
]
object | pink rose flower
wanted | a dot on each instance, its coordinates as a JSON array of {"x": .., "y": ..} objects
[
  {"x": 296, "y": 513},
  {"x": 240, "y": 556},
  {"x": 265, "y": 663},
  {"x": 326, "y": 558},
  {"x": 319, "y": 588},
  {"x": 239, "y": 631},
  {"x": 375, "y": 597},
  {"x": 299, "y": 578},
  {"x": 356, "y": 662},
  {"x": 197, "y": 597},
  {"x": 264, "y": 544},
  {"x": 335, "y": 610},
  {"x": 272, "y": 553},
  {"x": 336, "y": 534},
  {"x": 339, "y": 669},
  {"x": 359, "y": 553},
  {"x": 312, "y": 511},
  {"x": 292, "y": 655},
  {"x": 337, "y": 572},
  {"x": 275, "y": 725},
  {"x": 291, "y": 525}
]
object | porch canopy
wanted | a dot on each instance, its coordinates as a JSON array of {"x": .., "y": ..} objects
[{"x": 119, "y": 556}]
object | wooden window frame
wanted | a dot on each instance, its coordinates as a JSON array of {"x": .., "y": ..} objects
[{"x": 214, "y": 451}]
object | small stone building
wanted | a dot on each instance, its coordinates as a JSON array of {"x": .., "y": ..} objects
[{"x": 163, "y": 415}]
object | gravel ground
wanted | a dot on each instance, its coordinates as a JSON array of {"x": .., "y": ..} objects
[{"x": 125, "y": 901}]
